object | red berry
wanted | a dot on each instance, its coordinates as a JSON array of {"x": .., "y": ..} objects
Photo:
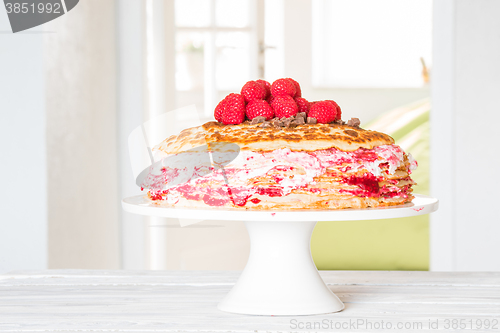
[
  {"x": 266, "y": 85},
  {"x": 323, "y": 111},
  {"x": 259, "y": 108},
  {"x": 283, "y": 87},
  {"x": 337, "y": 107},
  {"x": 234, "y": 110},
  {"x": 284, "y": 106},
  {"x": 253, "y": 90},
  {"x": 298, "y": 92},
  {"x": 303, "y": 104},
  {"x": 219, "y": 110}
]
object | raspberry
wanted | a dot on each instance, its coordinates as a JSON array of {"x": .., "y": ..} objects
[
  {"x": 253, "y": 90},
  {"x": 303, "y": 104},
  {"x": 298, "y": 92},
  {"x": 219, "y": 110},
  {"x": 234, "y": 110},
  {"x": 337, "y": 107},
  {"x": 283, "y": 87},
  {"x": 324, "y": 112},
  {"x": 266, "y": 85},
  {"x": 284, "y": 106},
  {"x": 259, "y": 108}
]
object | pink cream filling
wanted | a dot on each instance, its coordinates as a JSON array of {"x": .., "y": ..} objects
[{"x": 237, "y": 176}]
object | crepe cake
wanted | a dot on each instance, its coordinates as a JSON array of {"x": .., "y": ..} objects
[
  {"x": 313, "y": 166},
  {"x": 280, "y": 160}
]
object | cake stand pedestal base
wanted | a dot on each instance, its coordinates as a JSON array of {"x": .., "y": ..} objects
[{"x": 280, "y": 277}]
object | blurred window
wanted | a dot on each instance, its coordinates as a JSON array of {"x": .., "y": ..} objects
[
  {"x": 374, "y": 44},
  {"x": 216, "y": 49}
]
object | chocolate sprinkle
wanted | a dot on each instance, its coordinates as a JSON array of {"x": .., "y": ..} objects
[
  {"x": 258, "y": 120},
  {"x": 354, "y": 122},
  {"x": 311, "y": 120},
  {"x": 298, "y": 121},
  {"x": 277, "y": 123}
]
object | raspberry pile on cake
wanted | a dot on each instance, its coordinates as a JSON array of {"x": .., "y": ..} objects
[{"x": 293, "y": 154}]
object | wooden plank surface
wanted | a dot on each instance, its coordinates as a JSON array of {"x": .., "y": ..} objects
[{"x": 185, "y": 301}]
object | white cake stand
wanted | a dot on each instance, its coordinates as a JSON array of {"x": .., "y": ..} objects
[{"x": 280, "y": 277}]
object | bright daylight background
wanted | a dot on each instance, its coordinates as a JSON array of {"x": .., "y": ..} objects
[{"x": 74, "y": 88}]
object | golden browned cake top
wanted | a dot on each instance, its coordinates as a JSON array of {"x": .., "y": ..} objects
[{"x": 307, "y": 137}]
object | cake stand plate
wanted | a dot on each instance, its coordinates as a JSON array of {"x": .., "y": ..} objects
[{"x": 280, "y": 277}]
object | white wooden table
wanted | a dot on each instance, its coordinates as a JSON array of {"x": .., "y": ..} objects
[{"x": 185, "y": 301}]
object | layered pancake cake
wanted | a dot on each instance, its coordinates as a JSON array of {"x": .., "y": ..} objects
[{"x": 279, "y": 156}]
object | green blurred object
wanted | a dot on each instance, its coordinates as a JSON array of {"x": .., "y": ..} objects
[{"x": 391, "y": 244}]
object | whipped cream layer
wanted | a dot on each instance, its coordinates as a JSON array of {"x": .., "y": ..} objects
[{"x": 237, "y": 182}]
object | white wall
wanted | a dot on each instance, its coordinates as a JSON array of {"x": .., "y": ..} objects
[
  {"x": 464, "y": 150},
  {"x": 83, "y": 200},
  {"x": 131, "y": 99},
  {"x": 23, "y": 194}
]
